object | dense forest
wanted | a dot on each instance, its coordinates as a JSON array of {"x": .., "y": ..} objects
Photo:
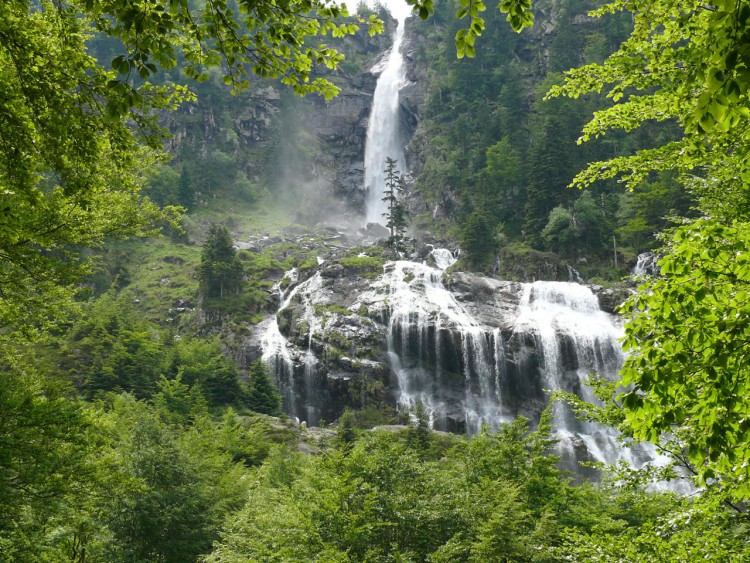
[
  {"x": 506, "y": 153},
  {"x": 156, "y": 159}
]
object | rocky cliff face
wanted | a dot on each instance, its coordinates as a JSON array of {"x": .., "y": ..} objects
[
  {"x": 286, "y": 141},
  {"x": 474, "y": 350},
  {"x": 340, "y": 126},
  {"x": 461, "y": 343}
]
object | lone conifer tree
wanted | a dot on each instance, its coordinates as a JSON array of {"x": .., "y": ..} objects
[
  {"x": 396, "y": 214},
  {"x": 419, "y": 430},
  {"x": 262, "y": 395},
  {"x": 347, "y": 435},
  {"x": 220, "y": 271}
]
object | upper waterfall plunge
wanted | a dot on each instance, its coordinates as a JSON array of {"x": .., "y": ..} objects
[{"x": 383, "y": 132}]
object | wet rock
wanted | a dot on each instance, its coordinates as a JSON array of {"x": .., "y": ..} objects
[{"x": 611, "y": 298}]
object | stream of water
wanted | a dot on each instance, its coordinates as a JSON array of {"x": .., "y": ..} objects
[{"x": 383, "y": 129}]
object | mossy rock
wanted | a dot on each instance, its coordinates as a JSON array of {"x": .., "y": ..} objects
[
  {"x": 518, "y": 262},
  {"x": 363, "y": 266}
]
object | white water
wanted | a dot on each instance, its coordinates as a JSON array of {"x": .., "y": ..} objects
[
  {"x": 277, "y": 350},
  {"x": 276, "y": 353},
  {"x": 468, "y": 374},
  {"x": 443, "y": 257},
  {"x": 423, "y": 316},
  {"x": 646, "y": 264},
  {"x": 559, "y": 314},
  {"x": 458, "y": 368},
  {"x": 383, "y": 132}
]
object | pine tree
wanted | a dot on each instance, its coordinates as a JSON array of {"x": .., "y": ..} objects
[
  {"x": 220, "y": 270},
  {"x": 477, "y": 238},
  {"x": 419, "y": 430},
  {"x": 396, "y": 215},
  {"x": 262, "y": 395},
  {"x": 347, "y": 435}
]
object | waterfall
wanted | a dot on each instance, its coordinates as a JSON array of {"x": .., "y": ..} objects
[
  {"x": 439, "y": 354},
  {"x": 443, "y": 257},
  {"x": 574, "y": 339},
  {"x": 467, "y": 374},
  {"x": 478, "y": 354},
  {"x": 383, "y": 132},
  {"x": 278, "y": 353},
  {"x": 646, "y": 264}
]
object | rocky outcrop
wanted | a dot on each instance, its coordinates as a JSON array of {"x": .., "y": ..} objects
[
  {"x": 474, "y": 350},
  {"x": 340, "y": 126},
  {"x": 468, "y": 346}
]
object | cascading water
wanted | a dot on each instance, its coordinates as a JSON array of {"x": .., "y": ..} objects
[
  {"x": 443, "y": 258},
  {"x": 480, "y": 352},
  {"x": 438, "y": 353},
  {"x": 646, "y": 264},
  {"x": 275, "y": 347},
  {"x": 467, "y": 374},
  {"x": 383, "y": 132},
  {"x": 278, "y": 356},
  {"x": 575, "y": 339}
]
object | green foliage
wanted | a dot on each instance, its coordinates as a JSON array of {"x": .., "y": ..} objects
[
  {"x": 478, "y": 239},
  {"x": 113, "y": 348},
  {"x": 83, "y": 94},
  {"x": 560, "y": 232},
  {"x": 419, "y": 429},
  {"x": 262, "y": 396},
  {"x": 346, "y": 434},
  {"x": 169, "y": 485},
  {"x": 164, "y": 186},
  {"x": 43, "y": 458},
  {"x": 497, "y": 156},
  {"x": 331, "y": 309},
  {"x": 645, "y": 82},
  {"x": 284, "y": 53},
  {"x": 687, "y": 336},
  {"x": 647, "y": 209},
  {"x": 363, "y": 263},
  {"x": 69, "y": 173},
  {"x": 684, "y": 533},
  {"x": 202, "y": 363},
  {"x": 497, "y": 497},
  {"x": 501, "y": 179},
  {"x": 395, "y": 216},
  {"x": 220, "y": 271},
  {"x": 583, "y": 226}
]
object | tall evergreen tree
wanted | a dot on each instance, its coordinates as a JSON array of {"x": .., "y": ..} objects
[
  {"x": 477, "y": 238},
  {"x": 263, "y": 396},
  {"x": 396, "y": 214},
  {"x": 419, "y": 429},
  {"x": 548, "y": 177},
  {"x": 220, "y": 270}
]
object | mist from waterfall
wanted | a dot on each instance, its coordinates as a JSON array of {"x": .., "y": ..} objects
[{"x": 383, "y": 131}]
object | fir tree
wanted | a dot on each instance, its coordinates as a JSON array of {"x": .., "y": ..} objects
[
  {"x": 347, "y": 436},
  {"x": 262, "y": 395},
  {"x": 396, "y": 214},
  {"x": 419, "y": 430},
  {"x": 220, "y": 271}
]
